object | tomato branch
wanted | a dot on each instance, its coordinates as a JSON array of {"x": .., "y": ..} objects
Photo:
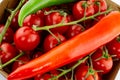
[{"x": 70, "y": 23}]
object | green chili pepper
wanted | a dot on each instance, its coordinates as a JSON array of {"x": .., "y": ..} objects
[{"x": 34, "y": 5}]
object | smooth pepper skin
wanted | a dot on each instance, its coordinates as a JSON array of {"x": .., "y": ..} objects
[
  {"x": 34, "y": 5},
  {"x": 76, "y": 48}
]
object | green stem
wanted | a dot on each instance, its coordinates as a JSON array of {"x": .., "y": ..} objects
[
  {"x": 70, "y": 69},
  {"x": 8, "y": 22},
  {"x": 70, "y": 23},
  {"x": 12, "y": 60}
]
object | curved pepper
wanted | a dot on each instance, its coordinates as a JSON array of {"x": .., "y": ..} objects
[
  {"x": 33, "y": 5},
  {"x": 76, "y": 48}
]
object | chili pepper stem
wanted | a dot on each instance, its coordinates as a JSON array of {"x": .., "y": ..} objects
[
  {"x": 8, "y": 22},
  {"x": 70, "y": 69},
  {"x": 10, "y": 61},
  {"x": 69, "y": 23}
]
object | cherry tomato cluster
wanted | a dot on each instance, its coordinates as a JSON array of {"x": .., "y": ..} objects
[{"x": 34, "y": 42}]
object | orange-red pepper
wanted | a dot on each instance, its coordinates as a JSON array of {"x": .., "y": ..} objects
[{"x": 78, "y": 47}]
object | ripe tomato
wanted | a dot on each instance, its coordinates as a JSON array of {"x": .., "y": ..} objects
[
  {"x": 20, "y": 61},
  {"x": 79, "y": 9},
  {"x": 102, "y": 61},
  {"x": 14, "y": 23},
  {"x": 47, "y": 76},
  {"x": 74, "y": 30},
  {"x": 37, "y": 54},
  {"x": 56, "y": 18},
  {"x": 82, "y": 71},
  {"x": 33, "y": 19},
  {"x": 51, "y": 42},
  {"x": 7, "y": 52},
  {"x": 114, "y": 47},
  {"x": 8, "y": 35},
  {"x": 26, "y": 39},
  {"x": 102, "y": 6}
]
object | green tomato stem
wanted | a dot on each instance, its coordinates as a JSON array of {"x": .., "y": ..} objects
[{"x": 8, "y": 22}]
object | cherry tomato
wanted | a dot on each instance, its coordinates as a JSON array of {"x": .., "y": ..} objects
[
  {"x": 79, "y": 9},
  {"x": 99, "y": 4},
  {"x": 82, "y": 71},
  {"x": 41, "y": 14},
  {"x": 56, "y": 18},
  {"x": 47, "y": 76},
  {"x": 20, "y": 61},
  {"x": 14, "y": 23},
  {"x": 8, "y": 35},
  {"x": 114, "y": 47},
  {"x": 51, "y": 42},
  {"x": 98, "y": 18},
  {"x": 7, "y": 52},
  {"x": 26, "y": 39},
  {"x": 102, "y": 61},
  {"x": 37, "y": 54},
  {"x": 74, "y": 30},
  {"x": 33, "y": 19}
]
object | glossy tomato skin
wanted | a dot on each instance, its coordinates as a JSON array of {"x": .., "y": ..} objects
[
  {"x": 114, "y": 47},
  {"x": 56, "y": 18},
  {"x": 79, "y": 9},
  {"x": 20, "y": 61},
  {"x": 51, "y": 42},
  {"x": 99, "y": 4},
  {"x": 33, "y": 19},
  {"x": 103, "y": 64},
  {"x": 26, "y": 39},
  {"x": 7, "y": 52},
  {"x": 74, "y": 30},
  {"x": 8, "y": 35},
  {"x": 81, "y": 73}
]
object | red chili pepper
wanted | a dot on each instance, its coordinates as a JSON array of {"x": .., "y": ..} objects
[{"x": 76, "y": 48}]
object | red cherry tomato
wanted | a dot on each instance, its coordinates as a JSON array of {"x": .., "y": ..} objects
[
  {"x": 74, "y": 30},
  {"x": 100, "y": 62},
  {"x": 33, "y": 19},
  {"x": 99, "y": 4},
  {"x": 47, "y": 76},
  {"x": 98, "y": 18},
  {"x": 82, "y": 71},
  {"x": 14, "y": 23},
  {"x": 8, "y": 35},
  {"x": 51, "y": 42},
  {"x": 20, "y": 61},
  {"x": 7, "y": 52},
  {"x": 56, "y": 18},
  {"x": 114, "y": 47},
  {"x": 26, "y": 39},
  {"x": 79, "y": 9},
  {"x": 37, "y": 54}
]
